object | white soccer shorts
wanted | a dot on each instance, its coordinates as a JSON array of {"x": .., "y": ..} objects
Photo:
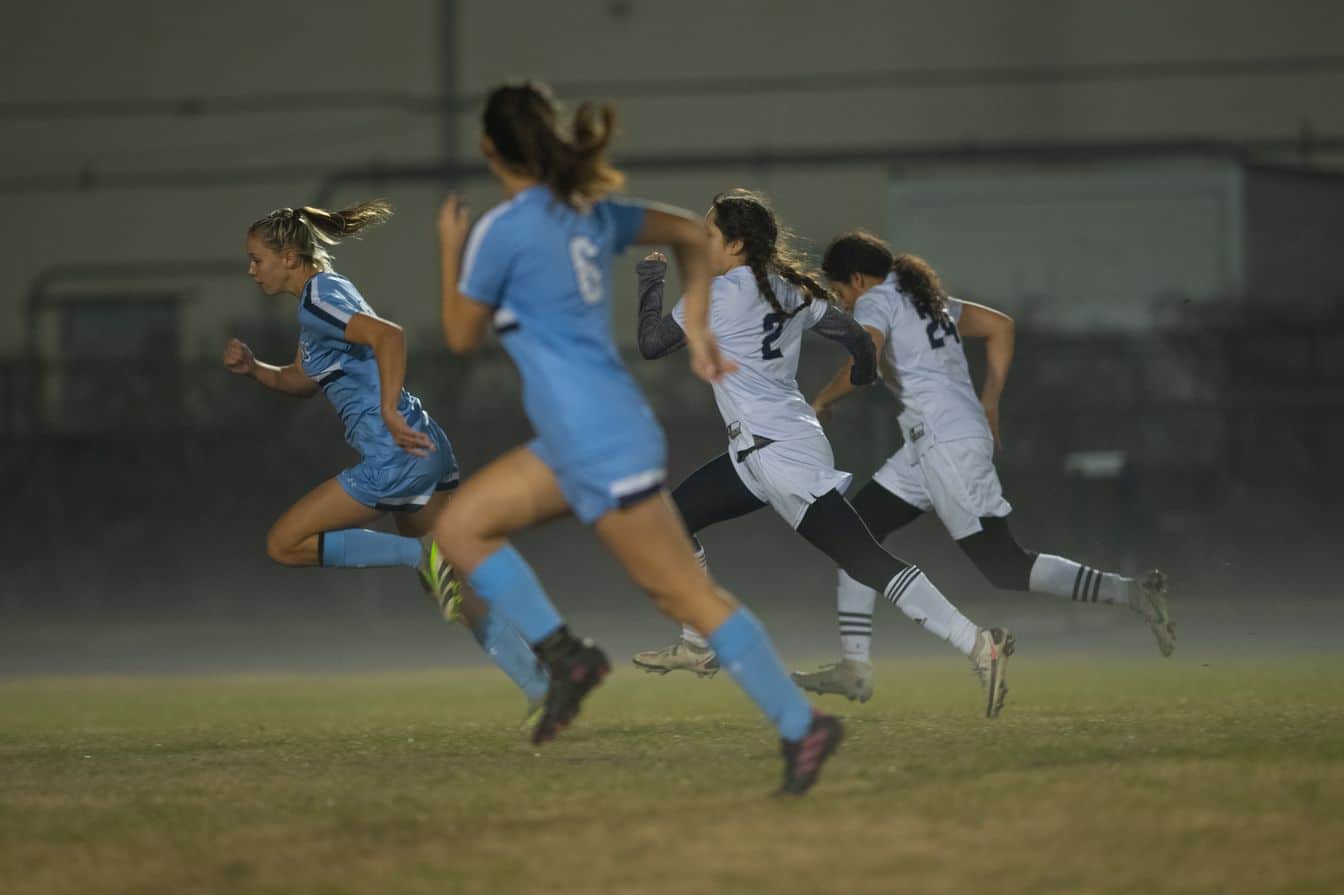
[
  {"x": 789, "y": 475},
  {"x": 955, "y": 479}
]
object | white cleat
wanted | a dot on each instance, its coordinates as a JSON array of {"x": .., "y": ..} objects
[
  {"x": 989, "y": 660},
  {"x": 1148, "y": 598},
  {"x": 680, "y": 656},
  {"x": 848, "y": 678}
]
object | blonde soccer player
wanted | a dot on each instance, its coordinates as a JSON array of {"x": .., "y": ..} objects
[{"x": 357, "y": 360}]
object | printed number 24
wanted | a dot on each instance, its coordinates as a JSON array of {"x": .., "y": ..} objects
[
  {"x": 946, "y": 325},
  {"x": 774, "y": 328}
]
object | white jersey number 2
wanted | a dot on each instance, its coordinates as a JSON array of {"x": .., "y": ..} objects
[{"x": 583, "y": 254}]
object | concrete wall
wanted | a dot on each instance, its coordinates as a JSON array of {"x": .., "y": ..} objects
[{"x": 689, "y": 77}]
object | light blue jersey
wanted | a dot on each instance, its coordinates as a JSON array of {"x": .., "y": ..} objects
[
  {"x": 546, "y": 269},
  {"x": 389, "y": 478}
]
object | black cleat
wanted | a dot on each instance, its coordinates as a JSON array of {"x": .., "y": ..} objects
[
  {"x": 574, "y": 674},
  {"x": 803, "y": 759}
]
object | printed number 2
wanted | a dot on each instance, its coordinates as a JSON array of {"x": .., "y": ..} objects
[
  {"x": 583, "y": 254},
  {"x": 774, "y": 328},
  {"x": 946, "y": 325}
]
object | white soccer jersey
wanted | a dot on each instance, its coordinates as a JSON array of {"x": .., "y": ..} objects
[
  {"x": 933, "y": 380},
  {"x": 762, "y": 396}
]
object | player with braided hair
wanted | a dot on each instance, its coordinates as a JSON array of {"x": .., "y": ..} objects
[
  {"x": 761, "y": 301},
  {"x": 947, "y": 461}
]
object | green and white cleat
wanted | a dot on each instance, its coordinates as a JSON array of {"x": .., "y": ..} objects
[
  {"x": 989, "y": 660},
  {"x": 680, "y": 656},
  {"x": 1148, "y": 597},
  {"x": 848, "y": 678},
  {"x": 436, "y": 577}
]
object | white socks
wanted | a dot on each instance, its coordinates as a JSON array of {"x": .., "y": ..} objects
[
  {"x": 914, "y": 594},
  {"x": 1062, "y": 577},
  {"x": 689, "y": 634},
  {"x": 854, "y": 608}
]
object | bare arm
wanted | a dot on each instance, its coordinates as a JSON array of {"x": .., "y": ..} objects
[
  {"x": 659, "y": 335},
  {"x": 997, "y": 329},
  {"x": 388, "y": 342},
  {"x": 685, "y": 233},
  {"x": 463, "y": 319},
  {"x": 288, "y": 379},
  {"x": 842, "y": 383}
]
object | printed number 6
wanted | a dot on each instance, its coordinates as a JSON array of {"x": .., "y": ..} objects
[{"x": 583, "y": 254}]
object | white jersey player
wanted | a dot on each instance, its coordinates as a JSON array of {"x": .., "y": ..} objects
[
  {"x": 778, "y": 455},
  {"x": 947, "y": 461}
]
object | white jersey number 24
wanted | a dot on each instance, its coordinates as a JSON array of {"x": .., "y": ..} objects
[{"x": 583, "y": 254}]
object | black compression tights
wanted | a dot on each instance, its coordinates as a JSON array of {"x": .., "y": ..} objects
[
  {"x": 715, "y": 493},
  {"x": 993, "y": 549},
  {"x": 836, "y": 529}
]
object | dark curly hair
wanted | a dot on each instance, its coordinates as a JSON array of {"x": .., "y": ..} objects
[{"x": 861, "y": 252}]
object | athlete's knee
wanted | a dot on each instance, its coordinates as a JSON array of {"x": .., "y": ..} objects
[
  {"x": 462, "y": 534},
  {"x": 282, "y": 547}
]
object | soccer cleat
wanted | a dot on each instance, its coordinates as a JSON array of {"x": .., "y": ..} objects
[
  {"x": 436, "y": 577},
  {"x": 1148, "y": 597},
  {"x": 803, "y": 759},
  {"x": 989, "y": 660},
  {"x": 848, "y": 678},
  {"x": 573, "y": 675},
  {"x": 680, "y": 656},
  {"x": 534, "y": 709}
]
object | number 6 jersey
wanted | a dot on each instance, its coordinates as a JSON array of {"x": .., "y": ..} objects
[
  {"x": 933, "y": 381},
  {"x": 762, "y": 396}
]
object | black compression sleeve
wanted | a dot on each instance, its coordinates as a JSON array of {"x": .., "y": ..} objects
[
  {"x": 659, "y": 335},
  {"x": 840, "y": 327}
]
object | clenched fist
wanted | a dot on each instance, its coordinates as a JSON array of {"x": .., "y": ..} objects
[{"x": 238, "y": 357}]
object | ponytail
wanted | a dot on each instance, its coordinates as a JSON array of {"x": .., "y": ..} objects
[
  {"x": 308, "y": 229},
  {"x": 919, "y": 280},
  {"x": 744, "y": 215},
  {"x": 860, "y": 252},
  {"x": 521, "y": 122}
]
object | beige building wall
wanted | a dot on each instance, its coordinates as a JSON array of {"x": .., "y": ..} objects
[{"x": 226, "y": 110}]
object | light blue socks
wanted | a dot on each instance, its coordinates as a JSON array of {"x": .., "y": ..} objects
[
  {"x": 746, "y": 651},
  {"x": 359, "y": 548},
  {"x": 508, "y": 584},
  {"x": 512, "y": 654}
]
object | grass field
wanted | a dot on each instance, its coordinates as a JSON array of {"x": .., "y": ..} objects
[{"x": 1122, "y": 776}]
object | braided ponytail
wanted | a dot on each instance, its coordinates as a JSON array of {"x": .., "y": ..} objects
[{"x": 744, "y": 215}]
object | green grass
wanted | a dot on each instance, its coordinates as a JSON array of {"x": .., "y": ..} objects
[{"x": 1111, "y": 777}]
